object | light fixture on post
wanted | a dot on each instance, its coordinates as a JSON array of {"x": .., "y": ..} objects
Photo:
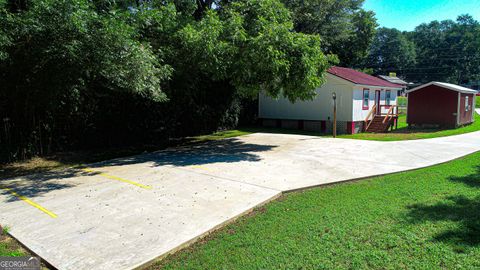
[{"x": 334, "y": 97}]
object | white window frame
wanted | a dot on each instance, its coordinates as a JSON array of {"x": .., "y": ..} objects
[
  {"x": 388, "y": 97},
  {"x": 467, "y": 105},
  {"x": 366, "y": 99}
]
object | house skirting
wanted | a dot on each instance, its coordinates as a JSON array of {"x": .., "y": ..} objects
[{"x": 321, "y": 126}]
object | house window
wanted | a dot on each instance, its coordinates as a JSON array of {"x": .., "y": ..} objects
[
  {"x": 388, "y": 97},
  {"x": 366, "y": 98},
  {"x": 467, "y": 104}
]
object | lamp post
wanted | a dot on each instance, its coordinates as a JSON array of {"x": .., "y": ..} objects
[{"x": 334, "y": 97}]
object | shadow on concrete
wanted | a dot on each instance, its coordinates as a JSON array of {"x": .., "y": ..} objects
[
  {"x": 226, "y": 150},
  {"x": 35, "y": 185},
  {"x": 464, "y": 211}
]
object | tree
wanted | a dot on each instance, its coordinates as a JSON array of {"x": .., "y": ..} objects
[
  {"x": 247, "y": 44},
  {"x": 448, "y": 50},
  {"x": 107, "y": 72},
  {"x": 219, "y": 36},
  {"x": 62, "y": 56},
  {"x": 355, "y": 49},
  {"x": 391, "y": 51},
  {"x": 4, "y": 37},
  {"x": 233, "y": 52},
  {"x": 345, "y": 28},
  {"x": 271, "y": 55}
]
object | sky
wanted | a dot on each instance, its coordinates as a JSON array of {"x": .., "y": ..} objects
[{"x": 405, "y": 15}]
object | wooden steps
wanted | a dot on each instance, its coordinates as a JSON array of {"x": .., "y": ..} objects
[
  {"x": 377, "y": 125},
  {"x": 379, "y": 122}
]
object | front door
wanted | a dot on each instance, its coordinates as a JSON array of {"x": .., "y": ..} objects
[{"x": 377, "y": 101}]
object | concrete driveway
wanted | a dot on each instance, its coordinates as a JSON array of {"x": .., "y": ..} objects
[{"x": 123, "y": 213}]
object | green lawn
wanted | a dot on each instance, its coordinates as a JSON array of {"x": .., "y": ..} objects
[
  {"x": 245, "y": 131},
  {"x": 403, "y": 133},
  {"x": 423, "y": 219},
  {"x": 402, "y": 105},
  {"x": 477, "y": 101},
  {"x": 218, "y": 135}
]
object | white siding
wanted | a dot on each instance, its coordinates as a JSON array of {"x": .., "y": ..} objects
[
  {"x": 358, "y": 113},
  {"x": 321, "y": 108}
]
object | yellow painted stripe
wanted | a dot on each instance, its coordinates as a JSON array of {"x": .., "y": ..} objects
[
  {"x": 116, "y": 178},
  {"x": 27, "y": 200}
]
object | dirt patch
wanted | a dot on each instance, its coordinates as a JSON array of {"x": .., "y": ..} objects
[
  {"x": 8, "y": 245},
  {"x": 62, "y": 160},
  {"x": 12, "y": 244}
]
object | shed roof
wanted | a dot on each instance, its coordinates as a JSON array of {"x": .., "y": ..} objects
[
  {"x": 449, "y": 86},
  {"x": 393, "y": 79},
  {"x": 358, "y": 77}
]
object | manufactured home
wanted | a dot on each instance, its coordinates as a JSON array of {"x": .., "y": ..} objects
[
  {"x": 439, "y": 104},
  {"x": 364, "y": 102}
]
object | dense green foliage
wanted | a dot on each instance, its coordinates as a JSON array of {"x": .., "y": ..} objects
[
  {"x": 64, "y": 63},
  {"x": 345, "y": 28},
  {"x": 448, "y": 51},
  {"x": 80, "y": 73},
  {"x": 426, "y": 218},
  {"x": 391, "y": 51},
  {"x": 402, "y": 101},
  {"x": 437, "y": 51}
]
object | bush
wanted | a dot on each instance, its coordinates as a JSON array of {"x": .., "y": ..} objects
[{"x": 402, "y": 101}]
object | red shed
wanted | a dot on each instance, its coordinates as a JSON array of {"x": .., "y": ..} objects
[{"x": 440, "y": 104}]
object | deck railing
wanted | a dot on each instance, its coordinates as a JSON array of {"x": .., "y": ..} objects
[
  {"x": 392, "y": 112},
  {"x": 371, "y": 114}
]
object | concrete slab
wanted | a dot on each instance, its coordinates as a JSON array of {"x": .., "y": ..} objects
[
  {"x": 297, "y": 161},
  {"x": 106, "y": 224},
  {"x": 122, "y": 213}
]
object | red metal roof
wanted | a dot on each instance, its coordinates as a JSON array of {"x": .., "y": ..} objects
[{"x": 358, "y": 77}]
